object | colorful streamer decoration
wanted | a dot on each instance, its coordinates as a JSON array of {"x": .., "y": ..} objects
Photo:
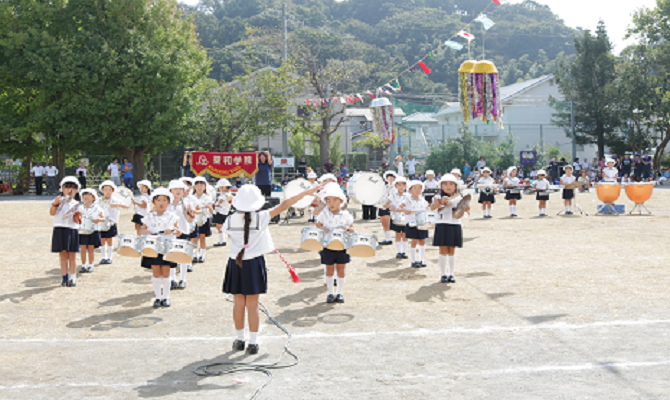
[
  {"x": 486, "y": 90},
  {"x": 465, "y": 91},
  {"x": 382, "y": 119},
  {"x": 424, "y": 67}
]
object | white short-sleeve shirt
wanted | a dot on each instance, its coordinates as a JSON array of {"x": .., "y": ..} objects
[
  {"x": 60, "y": 221},
  {"x": 94, "y": 211},
  {"x": 486, "y": 181},
  {"x": 566, "y": 180},
  {"x": 180, "y": 210},
  {"x": 260, "y": 240},
  {"x": 431, "y": 184},
  {"x": 203, "y": 201},
  {"x": 512, "y": 181},
  {"x": 38, "y": 171},
  {"x": 158, "y": 223},
  {"x": 51, "y": 171},
  {"x": 411, "y": 167},
  {"x": 445, "y": 215},
  {"x": 542, "y": 184},
  {"x": 143, "y": 212},
  {"x": 610, "y": 175},
  {"x": 341, "y": 220},
  {"x": 414, "y": 205},
  {"x": 114, "y": 168},
  {"x": 222, "y": 205},
  {"x": 112, "y": 213}
]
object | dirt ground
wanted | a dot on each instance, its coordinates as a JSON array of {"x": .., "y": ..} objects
[{"x": 555, "y": 308}]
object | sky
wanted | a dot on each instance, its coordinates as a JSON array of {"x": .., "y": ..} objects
[{"x": 617, "y": 15}]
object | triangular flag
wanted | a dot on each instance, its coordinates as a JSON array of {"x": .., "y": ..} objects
[
  {"x": 465, "y": 35},
  {"x": 359, "y": 96},
  {"x": 343, "y": 100},
  {"x": 371, "y": 95},
  {"x": 391, "y": 87},
  {"x": 397, "y": 84},
  {"x": 497, "y": 2},
  {"x": 424, "y": 67}
]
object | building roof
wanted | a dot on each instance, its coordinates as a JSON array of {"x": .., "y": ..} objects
[
  {"x": 421, "y": 117},
  {"x": 359, "y": 112}
]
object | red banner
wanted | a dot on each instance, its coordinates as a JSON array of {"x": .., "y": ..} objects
[{"x": 224, "y": 165}]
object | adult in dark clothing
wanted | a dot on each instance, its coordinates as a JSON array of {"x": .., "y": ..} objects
[
  {"x": 638, "y": 165},
  {"x": 626, "y": 165},
  {"x": 264, "y": 174},
  {"x": 328, "y": 167},
  {"x": 302, "y": 166},
  {"x": 186, "y": 164},
  {"x": 553, "y": 167},
  {"x": 647, "y": 161}
]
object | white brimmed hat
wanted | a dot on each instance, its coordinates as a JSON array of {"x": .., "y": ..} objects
[
  {"x": 327, "y": 176},
  {"x": 311, "y": 175},
  {"x": 106, "y": 183},
  {"x": 456, "y": 171},
  {"x": 400, "y": 179},
  {"x": 387, "y": 173},
  {"x": 332, "y": 190},
  {"x": 187, "y": 179},
  {"x": 413, "y": 183},
  {"x": 161, "y": 192},
  {"x": 486, "y": 169},
  {"x": 145, "y": 183},
  {"x": 542, "y": 172},
  {"x": 177, "y": 184},
  {"x": 449, "y": 178},
  {"x": 200, "y": 179},
  {"x": 568, "y": 166},
  {"x": 512, "y": 168},
  {"x": 223, "y": 183},
  {"x": 430, "y": 172},
  {"x": 71, "y": 179},
  {"x": 249, "y": 199},
  {"x": 89, "y": 191},
  {"x": 609, "y": 160}
]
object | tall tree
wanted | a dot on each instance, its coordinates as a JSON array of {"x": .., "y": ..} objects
[{"x": 587, "y": 80}]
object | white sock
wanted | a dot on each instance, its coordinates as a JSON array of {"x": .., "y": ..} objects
[
  {"x": 183, "y": 269},
  {"x": 387, "y": 236},
  {"x": 103, "y": 250},
  {"x": 202, "y": 254},
  {"x": 166, "y": 289},
  {"x": 157, "y": 286},
  {"x": 511, "y": 209},
  {"x": 73, "y": 277},
  {"x": 452, "y": 264},
  {"x": 110, "y": 252},
  {"x": 422, "y": 253},
  {"x": 442, "y": 261},
  {"x": 253, "y": 337},
  {"x": 310, "y": 213},
  {"x": 240, "y": 335},
  {"x": 404, "y": 247},
  {"x": 330, "y": 283},
  {"x": 570, "y": 208},
  {"x": 484, "y": 212},
  {"x": 412, "y": 253},
  {"x": 173, "y": 273},
  {"x": 398, "y": 245},
  {"x": 340, "y": 284}
]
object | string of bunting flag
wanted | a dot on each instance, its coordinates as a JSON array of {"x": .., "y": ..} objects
[{"x": 394, "y": 84}]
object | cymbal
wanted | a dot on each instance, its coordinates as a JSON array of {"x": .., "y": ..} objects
[{"x": 575, "y": 185}]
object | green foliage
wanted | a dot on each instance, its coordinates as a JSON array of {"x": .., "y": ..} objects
[{"x": 358, "y": 160}]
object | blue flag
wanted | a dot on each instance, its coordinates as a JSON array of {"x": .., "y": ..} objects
[
  {"x": 486, "y": 21},
  {"x": 453, "y": 45}
]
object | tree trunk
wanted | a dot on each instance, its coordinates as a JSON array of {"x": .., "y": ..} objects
[
  {"x": 660, "y": 150},
  {"x": 136, "y": 157},
  {"x": 61, "y": 165}
]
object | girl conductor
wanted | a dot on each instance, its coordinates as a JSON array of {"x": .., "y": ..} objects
[
  {"x": 448, "y": 231},
  {"x": 65, "y": 236},
  {"x": 384, "y": 213},
  {"x": 111, "y": 207},
  {"x": 487, "y": 196},
  {"x": 414, "y": 203},
  {"x": 246, "y": 277},
  {"x": 222, "y": 208},
  {"x": 142, "y": 207},
  {"x": 163, "y": 223},
  {"x": 568, "y": 194},
  {"x": 90, "y": 240},
  {"x": 333, "y": 217},
  {"x": 512, "y": 195},
  {"x": 542, "y": 184}
]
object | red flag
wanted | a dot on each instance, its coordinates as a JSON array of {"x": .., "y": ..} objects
[
  {"x": 497, "y": 2},
  {"x": 307, "y": 100},
  {"x": 371, "y": 95},
  {"x": 424, "y": 67}
]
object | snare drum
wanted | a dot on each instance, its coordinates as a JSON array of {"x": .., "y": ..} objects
[
  {"x": 200, "y": 219},
  {"x": 429, "y": 223},
  {"x": 87, "y": 226},
  {"x": 154, "y": 245},
  {"x": 180, "y": 252},
  {"x": 362, "y": 245},
  {"x": 312, "y": 239},
  {"x": 130, "y": 245},
  {"x": 398, "y": 218},
  {"x": 337, "y": 239},
  {"x": 105, "y": 225},
  {"x": 608, "y": 192}
]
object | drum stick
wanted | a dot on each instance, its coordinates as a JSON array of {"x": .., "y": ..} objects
[{"x": 294, "y": 275}]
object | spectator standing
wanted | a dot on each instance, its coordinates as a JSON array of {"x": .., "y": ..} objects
[
  {"x": 411, "y": 166},
  {"x": 302, "y": 167},
  {"x": 553, "y": 169},
  {"x": 186, "y": 165},
  {"x": 481, "y": 164},
  {"x": 328, "y": 167},
  {"x": 343, "y": 171},
  {"x": 385, "y": 165},
  {"x": 286, "y": 180},
  {"x": 38, "y": 172},
  {"x": 81, "y": 175},
  {"x": 128, "y": 174},
  {"x": 264, "y": 174},
  {"x": 466, "y": 169},
  {"x": 647, "y": 161},
  {"x": 399, "y": 166},
  {"x": 51, "y": 173},
  {"x": 113, "y": 170},
  {"x": 638, "y": 166},
  {"x": 626, "y": 165},
  {"x": 577, "y": 167}
]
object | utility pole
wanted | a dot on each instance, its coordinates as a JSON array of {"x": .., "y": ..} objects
[
  {"x": 572, "y": 123},
  {"x": 284, "y": 133}
]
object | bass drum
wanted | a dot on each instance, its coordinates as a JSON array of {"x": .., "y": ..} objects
[
  {"x": 296, "y": 187},
  {"x": 368, "y": 188}
]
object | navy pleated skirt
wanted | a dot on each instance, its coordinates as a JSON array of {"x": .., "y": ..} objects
[
  {"x": 512, "y": 196},
  {"x": 397, "y": 228},
  {"x": 448, "y": 235},
  {"x": 195, "y": 234},
  {"x": 219, "y": 219},
  {"x": 148, "y": 262},
  {"x": 92, "y": 239},
  {"x": 486, "y": 197},
  {"x": 414, "y": 233},
  {"x": 112, "y": 232},
  {"x": 540, "y": 197},
  {"x": 205, "y": 229},
  {"x": 249, "y": 279},
  {"x": 137, "y": 219},
  {"x": 332, "y": 257},
  {"x": 568, "y": 194},
  {"x": 383, "y": 212},
  {"x": 65, "y": 239}
]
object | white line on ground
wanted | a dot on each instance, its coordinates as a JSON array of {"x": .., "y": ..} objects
[{"x": 417, "y": 332}]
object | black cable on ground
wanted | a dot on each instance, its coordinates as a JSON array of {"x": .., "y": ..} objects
[{"x": 234, "y": 367}]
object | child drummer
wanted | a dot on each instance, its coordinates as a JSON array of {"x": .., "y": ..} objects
[
  {"x": 89, "y": 241},
  {"x": 384, "y": 213},
  {"x": 512, "y": 195},
  {"x": 65, "y": 237},
  {"x": 568, "y": 194},
  {"x": 542, "y": 184},
  {"x": 142, "y": 206},
  {"x": 486, "y": 198},
  {"x": 610, "y": 173},
  {"x": 178, "y": 206},
  {"x": 430, "y": 183},
  {"x": 412, "y": 204},
  {"x": 222, "y": 208},
  {"x": 111, "y": 207},
  {"x": 448, "y": 231},
  {"x": 396, "y": 198},
  {"x": 333, "y": 217}
]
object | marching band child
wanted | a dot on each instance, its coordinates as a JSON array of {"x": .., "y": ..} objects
[
  {"x": 457, "y": 173},
  {"x": 397, "y": 198},
  {"x": 160, "y": 222},
  {"x": 333, "y": 217},
  {"x": 610, "y": 174},
  {"x": 323, "y": 180},
  {"x": 246, "y": 275},
  {"x": 430, "y": 183},
  {"x": 142, "y": 206},
  {"x": 65, "y": 237},
  {"x": 191, "y": 204},
  {"x": 512, "y": 195},
  {"x": 311, "y": 177},
  {"x": 412, "y": 203},
  {"x": 384, "y": 213},
  {"x": 178, "y": 206},
  {"x": 542, "y": 184},
  {"x": 568, "y": 194},
  {"x": 222, "y": 208},
  {"x": 486, "y": 198},
  {"x": 448, "y": 231},
  {"x": 204, "y": 202},
  {"x": 90, "y": 241},
  {"x": 111, "y": 207}
]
